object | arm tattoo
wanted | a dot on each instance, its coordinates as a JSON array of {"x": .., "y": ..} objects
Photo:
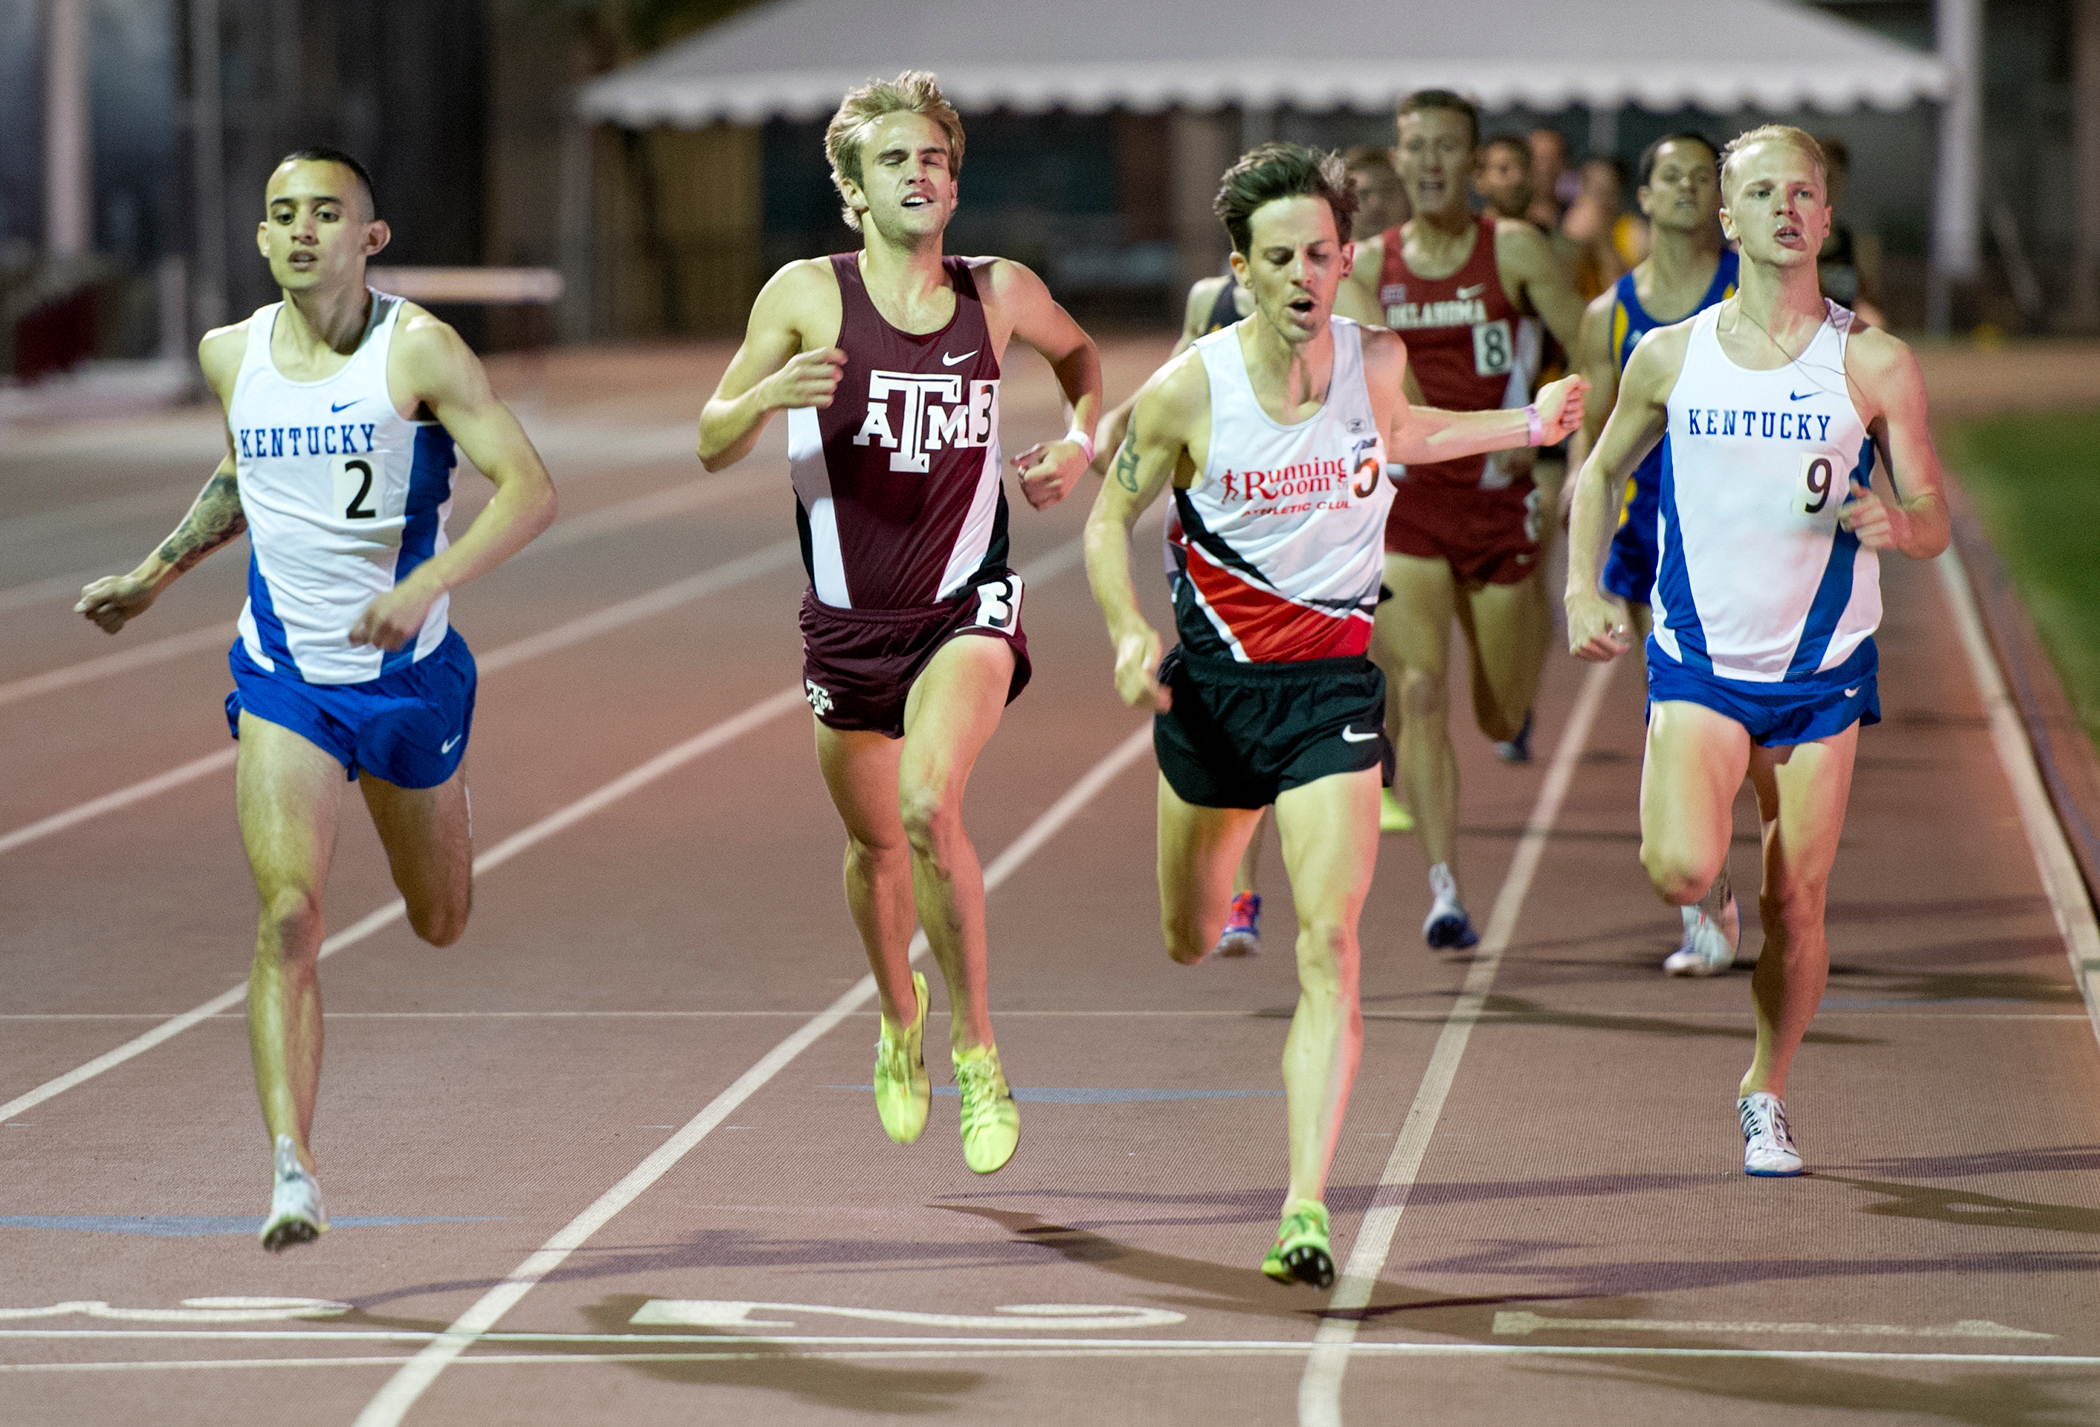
[
  {"x": 214, "y": 519},
  {"x": 1127, "y": 461}
]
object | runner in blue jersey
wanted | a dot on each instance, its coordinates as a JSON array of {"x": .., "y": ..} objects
[
  {"x": 1795, "y": 449},
  {"x": 1687, "y": 270},
  {"x": 342, "y": 406}
]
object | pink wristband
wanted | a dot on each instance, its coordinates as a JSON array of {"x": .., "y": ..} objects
[{"x": 1536, "y": 427}]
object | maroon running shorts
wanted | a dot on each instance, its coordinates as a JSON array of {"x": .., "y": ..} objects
[
  {"x": 858, "y": 665},
  {"x": 1488, "y": 537}
]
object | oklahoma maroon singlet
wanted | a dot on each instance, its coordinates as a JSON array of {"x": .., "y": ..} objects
[
  {"x": 897, "y": 491},
  {"x": 1468, "y": 346}
]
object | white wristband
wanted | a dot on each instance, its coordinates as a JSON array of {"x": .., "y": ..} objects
[{"x": 1084, "y": 442}]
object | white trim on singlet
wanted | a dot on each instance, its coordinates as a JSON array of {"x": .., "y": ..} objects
[{"x": 812, "y": 480}]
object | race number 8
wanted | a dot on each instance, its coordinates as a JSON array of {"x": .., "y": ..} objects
[
  {"x": 1492, "y": 350},
  {"x": 1818, "y": 475},
  {"x": 999, "y": 604}
]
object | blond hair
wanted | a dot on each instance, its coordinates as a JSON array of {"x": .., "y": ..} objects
[
  {"x": 915, "y": 91},
  {"x": 1801, "y": 139}
]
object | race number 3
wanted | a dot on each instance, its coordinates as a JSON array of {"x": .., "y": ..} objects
[
  {"x": 1493, "y": 352},
  {"x": 354, "y": 495},
  {"x": 999, "y": 604},
  {"x": 1818, "y": 478}
]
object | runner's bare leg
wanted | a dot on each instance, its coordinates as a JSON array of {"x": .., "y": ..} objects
[
  {"x": 429, "y": 841},
  {"x": 1411, "y": 642},
  {"x": 1330, "y": 846},
  {"x": 952, "y": 712},
  {"x": 1507, "y": 628},
  {"x": 1801, "y": 795},
  {"x": 860, "y": 771},
  {"x": 288, "y": 793},
  {"x": 1199, "y": 850}
]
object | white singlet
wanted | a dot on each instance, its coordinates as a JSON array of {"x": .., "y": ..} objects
[
  {"x": 1756, "y": 581},
  {"x": 343, "y": 498},
  {"x": 1281, "y": 537}
]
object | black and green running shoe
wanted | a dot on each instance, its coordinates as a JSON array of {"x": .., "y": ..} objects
[{"x": 1300, "y": 1253}]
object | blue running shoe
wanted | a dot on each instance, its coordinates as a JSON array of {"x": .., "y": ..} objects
[
  {"x": 1518, "y": 749},
  {"x": 1242, "y": 934}
]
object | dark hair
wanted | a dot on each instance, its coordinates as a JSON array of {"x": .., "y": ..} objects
[
  {"x": 1442, "y": 99},
  {"x": 1368, "y": 156},
  {"x": 323, "y": 154},
  {"x": 1515, "y": 143},
  {"x": 1268, "y": 172},
  {"x": 1651, "y": 154}
]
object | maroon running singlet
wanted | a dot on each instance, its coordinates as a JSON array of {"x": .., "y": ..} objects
[{"x": 900, "y": 507}]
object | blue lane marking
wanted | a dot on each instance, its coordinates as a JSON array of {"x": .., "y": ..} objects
[
  {"x": 190, "y": 1226},
  {"x": 1092, "y": 1095}
]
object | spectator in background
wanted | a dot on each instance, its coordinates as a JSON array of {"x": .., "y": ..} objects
[
  {"x": 1381, "y": 201},
  {"x": 1849, "y": 265},
  {"x": 1553, "y": 186},
  {"x": 1604, "y": 239},
  {"x": 1503, "y": 177}
]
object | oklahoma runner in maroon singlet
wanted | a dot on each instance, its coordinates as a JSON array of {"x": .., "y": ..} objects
[
  {"x": 1462, "y": 292},
  {"x": 887, "y": 363}
]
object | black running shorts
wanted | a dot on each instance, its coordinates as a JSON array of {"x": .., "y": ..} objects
[{"x": 1239, "y": 734}]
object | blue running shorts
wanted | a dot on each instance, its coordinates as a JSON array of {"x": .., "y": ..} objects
[
  {"x": 1776, "y": 714},
  {"x": 408, "y": 728}
]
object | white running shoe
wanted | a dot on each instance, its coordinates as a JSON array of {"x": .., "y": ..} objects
[
  {"x": 1768, "y": 1144},
  {"x": 296, "y": 1216},
  {"x": 1447, "y": 927},
  {"x": 1709, "y": 942}
]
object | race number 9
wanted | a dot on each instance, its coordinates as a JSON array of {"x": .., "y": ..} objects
[
  {"x": 999, "y": 604},
  {"x": 1818, "y": 475},
  {"x": 1493, "y": 352}
]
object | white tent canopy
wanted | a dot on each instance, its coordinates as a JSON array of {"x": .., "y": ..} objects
[{"x": 794, "y": 58}]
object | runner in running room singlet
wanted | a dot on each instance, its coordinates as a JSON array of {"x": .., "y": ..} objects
[
  {"x": 1469, "y": 347},
  {"x": 1279, "y": 550},
  {"x": 898, "y": 498}
]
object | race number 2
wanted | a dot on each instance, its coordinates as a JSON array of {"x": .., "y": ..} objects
[
  {"x": 999, "y": 604},
  {"x": 1493, "y": 352},
  {"x": 1818, "y": 478},
  {"x": 353, "y": 488}
]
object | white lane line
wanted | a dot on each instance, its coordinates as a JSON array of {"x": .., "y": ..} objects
[
  {"x": 394, "y": 1400},
  {"x": 123, "y": 661},
  {"x": 561, "y": 636},
  {"x": 2052, "y": 852},
  {"x": 679, "y": 499},
  {"x": 730, "y": 728},
  {"x": 79, "y": 813},
  {"x": 1320, "y": 1389},
  {"x": 1522, "y": 1324},
  {"x": 782, "y": 1350}
]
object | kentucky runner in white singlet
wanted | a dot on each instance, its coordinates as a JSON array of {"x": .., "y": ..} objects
[
  {"x": 341, "y": 408},
  {"x": 1772, "y": 410}
]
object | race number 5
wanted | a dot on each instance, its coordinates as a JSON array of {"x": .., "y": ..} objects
[
  {"x": 353, "y": 488},
  {"x": 999, "y": 604},
  {"x": 1818, "y": 476},
  {"x": 1492, "y": 351}
]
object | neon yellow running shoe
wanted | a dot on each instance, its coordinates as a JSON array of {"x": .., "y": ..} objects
[
  {"x": 991, "y": 1122},
  {"x": 1393, "y": 815},
  {"x": 1300, "y": 1253},
  {"x": 901, "y": 1087}
]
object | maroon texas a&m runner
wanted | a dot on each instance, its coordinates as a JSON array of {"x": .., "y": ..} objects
[{"x": 887, "y": 363}]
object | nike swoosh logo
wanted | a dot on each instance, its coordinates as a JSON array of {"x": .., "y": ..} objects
[
  {"x": 1466, "y": 294},
  {"x": 446, "y": 746},
  {"x": 346, "y": 405},
  {"x": 1851, "y": 693},
  {"x": 1799, "y": 395},
  {"x": 1350, "y": 735},
  {"x": 948, "y": 361}
]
